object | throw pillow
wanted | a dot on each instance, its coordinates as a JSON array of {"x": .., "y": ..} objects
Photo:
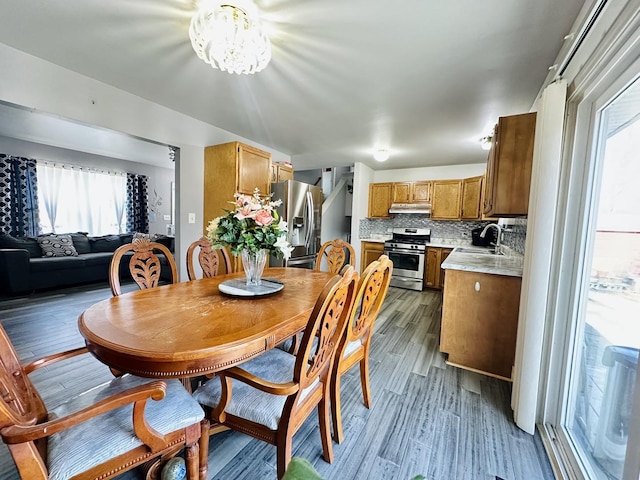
[
  {"x": 81, "y": 242},
  {"x": 57, "y": 246},
  {"x": 29, "y": 244},
  {"x": 107, "y": 243}
]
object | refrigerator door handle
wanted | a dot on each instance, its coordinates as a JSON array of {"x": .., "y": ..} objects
[{"x": 310, "y": 222}]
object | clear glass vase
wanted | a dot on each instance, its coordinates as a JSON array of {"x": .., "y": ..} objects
[{"x": 253, "y": 263}]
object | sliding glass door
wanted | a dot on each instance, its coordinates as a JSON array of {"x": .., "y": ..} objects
[{"x": 600, "y": 400}]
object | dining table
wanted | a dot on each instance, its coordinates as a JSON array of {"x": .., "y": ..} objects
[{"x": 191, "y": 328}]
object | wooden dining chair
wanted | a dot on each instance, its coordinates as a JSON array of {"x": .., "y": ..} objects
[
  {"x": 271, "y": 395},
  {"x": 355, "y": 343},
  {"x": 209, "y": 259},
  {"x": 336, "y": 252},
  {"x": 144, "y": 265},
  {"x": 102, "y": 432}
]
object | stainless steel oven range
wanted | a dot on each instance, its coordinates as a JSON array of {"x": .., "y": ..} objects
[{"x": 407, "y": 250}]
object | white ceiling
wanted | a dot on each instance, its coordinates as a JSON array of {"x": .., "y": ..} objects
[{"x": 428, "y": 78}]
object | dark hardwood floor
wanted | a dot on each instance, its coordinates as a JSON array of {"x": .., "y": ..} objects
[{"x": 427, "y": 418}]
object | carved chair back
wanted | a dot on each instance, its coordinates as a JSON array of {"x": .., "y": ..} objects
[
  {"x": 144, "y": 264},
  {"x": 326, "y": 327},
  {"x": 336, "y": 252},
  {"x": 209, "y": 259}
]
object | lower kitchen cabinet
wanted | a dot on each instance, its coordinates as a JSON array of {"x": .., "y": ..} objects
[
  {"x": 433, "y": 273},
  {"x": 371, "y": 251},
  {"x": 432, "y": 268},
  {"x": 480, "y": 321}
]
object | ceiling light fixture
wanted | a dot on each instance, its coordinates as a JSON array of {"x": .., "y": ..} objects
[
  {"x": 381, "y": 154},
  {"x": 228, "y": 35}
]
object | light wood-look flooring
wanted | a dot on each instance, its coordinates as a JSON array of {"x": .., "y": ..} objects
[{"x": 427, "y": 418}]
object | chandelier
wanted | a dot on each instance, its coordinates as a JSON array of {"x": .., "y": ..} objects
[{"x": 230, "y": 37}]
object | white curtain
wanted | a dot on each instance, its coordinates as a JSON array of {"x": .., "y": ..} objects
[
  {"x": 545, "y": 177},
  {"x": 81, "y": 200}
]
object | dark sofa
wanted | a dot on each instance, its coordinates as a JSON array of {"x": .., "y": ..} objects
[{"x": 24, "y": 269}]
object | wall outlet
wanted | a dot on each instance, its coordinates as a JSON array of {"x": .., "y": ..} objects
[
  {"x": 167, "y": 218},
  {"x": 192, "y": 218}
]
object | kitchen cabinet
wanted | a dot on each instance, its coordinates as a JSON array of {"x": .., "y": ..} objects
[
  {"x": 380, "y": 196},
  {"x": 412, "y": 192},
  {"x": 230, "y": 168},
  {"x": 447, "y": 199},
  {"x": 444, "y": 253},
  {"x": 432, "y": 267},
  {"x": 371, "y": 251},
  {"x": 433, "y": 273},
  {"x": 281, "y": 172},
  {"x": 471, "y": 196},
  {"x": 509, "y": 164},
  {"x": 479, "y": 321}
]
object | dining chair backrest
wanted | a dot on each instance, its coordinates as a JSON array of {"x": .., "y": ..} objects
[
  {"x": 355, "y": 343},
  {"x": 372, "y": 290},
  {"x": 145, "y": 265},
  {"x": 338, "y": 253},
  {"x": 325, "y": 328},
  {"x": 209, "y": 259}
]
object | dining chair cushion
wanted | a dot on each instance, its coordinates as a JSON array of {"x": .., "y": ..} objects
[
  {"x": 248, "y": 402},
  {"x": 106, "y": 436},
  {"x": 352, "y": 347}
]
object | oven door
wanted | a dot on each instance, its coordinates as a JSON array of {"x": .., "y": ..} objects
[{"x": 406, "y": 263}]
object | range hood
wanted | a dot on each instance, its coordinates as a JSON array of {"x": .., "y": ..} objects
[{"x": 415, "y": 208}]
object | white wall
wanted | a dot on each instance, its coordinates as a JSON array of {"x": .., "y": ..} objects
[
  {"x": 362, "y": 177},
  {"x": 430, "y": 173},
  {"x": 44, "y": 86}
]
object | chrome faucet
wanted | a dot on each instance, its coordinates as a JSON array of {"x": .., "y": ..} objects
[{"x": 498, "y": 237}]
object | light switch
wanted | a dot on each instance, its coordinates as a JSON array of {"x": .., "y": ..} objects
[
  {"x": 167, "y": 218},
  {"x": 192, "y": 218},
  {"x": 477, "y": 286}
]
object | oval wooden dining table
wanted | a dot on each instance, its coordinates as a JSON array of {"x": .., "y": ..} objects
[{"x": 191, "y": 328}]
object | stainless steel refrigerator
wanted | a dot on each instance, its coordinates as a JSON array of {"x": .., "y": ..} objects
[{"x": 302, "y": 209}]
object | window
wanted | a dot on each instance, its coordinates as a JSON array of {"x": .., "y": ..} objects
[{"x": 75, "y": 199}]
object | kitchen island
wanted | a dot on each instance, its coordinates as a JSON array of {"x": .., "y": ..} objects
[{"x": 480, "y": 308}]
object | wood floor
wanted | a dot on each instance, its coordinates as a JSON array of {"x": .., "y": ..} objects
[{"x": 427, "y": 418}]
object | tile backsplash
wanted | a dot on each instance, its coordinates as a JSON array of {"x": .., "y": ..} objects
[{"x": 514, "y": 234}]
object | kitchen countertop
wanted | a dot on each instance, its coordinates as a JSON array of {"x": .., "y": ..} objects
[{"x": 508, "y": 265}]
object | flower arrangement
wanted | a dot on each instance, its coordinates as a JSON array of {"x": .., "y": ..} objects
[{"x": 252, "y": 225}]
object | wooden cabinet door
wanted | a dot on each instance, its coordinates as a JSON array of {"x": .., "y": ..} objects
[
  {"x": 379, "y": 199},
  {"x": 480, "y": 320},
  {"x": 254, "y": 170},
  {"x": 511, "y": 156},
  {"x": 447, "y": 198},
  {"x": 444, "y": 253},
  {"x": 432, "y": 268},
  {"x": 421, "y": 192},
  {"x": 285, "y": 172},
  {"x": 402, "y": 192},
  {"x": 371, "y": 251},
  {"x": 471, "y": 193},
  {"x": 487, "y": 194}
]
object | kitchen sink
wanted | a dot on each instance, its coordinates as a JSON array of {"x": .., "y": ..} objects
[{"x": 477, "y": 251}]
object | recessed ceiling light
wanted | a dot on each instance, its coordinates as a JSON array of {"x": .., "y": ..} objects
[{"x": 381, "y": 154}]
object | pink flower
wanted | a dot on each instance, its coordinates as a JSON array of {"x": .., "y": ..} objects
[{"x": 263, "y": 217}]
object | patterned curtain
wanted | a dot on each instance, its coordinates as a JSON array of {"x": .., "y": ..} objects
[
  {"x": 137, "y": 203},
  {"x": 18, "y": 196}
]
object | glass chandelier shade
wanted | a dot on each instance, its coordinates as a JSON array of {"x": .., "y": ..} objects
[{"x": 230, "y": 37}]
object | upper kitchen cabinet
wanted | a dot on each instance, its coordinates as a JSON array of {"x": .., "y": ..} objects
[
  {"x": 447, "y": 199},
  {"x": 471, "y": 195},
  {"x": 412, "y": 192},
  {"x": 380, "y": 196},
  {"x": 509, "y": 165},
  {"x": 230, "y": 168},
  {"x": 281, "y": 172}
]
